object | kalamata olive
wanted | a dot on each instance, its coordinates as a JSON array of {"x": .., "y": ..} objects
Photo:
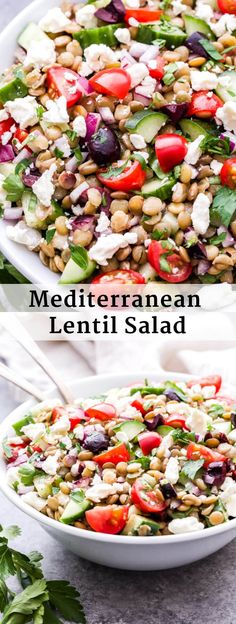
[
  {"x": 112, "y": 13},
  {"x": 215, "y": 473},
  {"x": 104, "y": 147},
  {"x": 194, "y": 46},
  {"x": 167, "y": 490},
  {"x": 154, "y": 422},
  {"x": 171, "y": 395},
  {"x": 233, "y": 419},
  {"x": 96, "y": 441},
  {"x": 175, "y": 111}
]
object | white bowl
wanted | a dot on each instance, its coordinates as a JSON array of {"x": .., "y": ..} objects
[{"x": 131, "y": 553}]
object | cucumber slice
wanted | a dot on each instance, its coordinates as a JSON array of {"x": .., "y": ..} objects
[
  {"x": 158, "y": 188},
  {"x": 222, "y": 426},
  {"x": 22, "y": 423},
  {"x": 131, "y": 428},
  {"x": 43, "y": 486},
  {"x": 148, "y": 272},
  {"x": 73, "y": 274},
  {"x": 172, "y": 35},
  {"x": 193, "y": 24},
  {"x": 135, "y": 522},
  {"x": 147, "y": 123},
  {"x": 104, "y": 34},
  {"x": 163, "y": 430},
  {"x": 12, "y": 90},
  {"x": 192, "y": 129},
  {"x": 226, "y": 88},
  {"x": 7, "y": 169},
  {"x": 75, "y": 508},
  {"x": 32, "y": 32},
  {"x": 29, "y": 205}
]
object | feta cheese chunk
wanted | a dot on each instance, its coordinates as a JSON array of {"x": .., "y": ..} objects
[
  {"x": 23, "y": 111},
  {"x": 51, "y": 464},
  {"x": 204, "y": 80},
  {"x": 178, "y": 7},
  {"x": 123, "y": 35},
  {"x": 40, "y": 54},
  {"x": 201, "y": 214},
  {"x": 62, "y": 144},
  {"x": 12, "y": 475},
  {"x": 79, "y": 126},
  {"x": 100, "y": 491},
  {"x": 24, "y": 235},
  {"x": 61, "y": 426},
  {"x": 35, "y": 501},
  {"x": 34, "y": 431},
  {"x": 137, "y": 140},
  {"x": 185, "y": 525},
  {"x": 107, "y": 246},
  {"x": 44, "y": 187},
  {"x": 85, "y": 16},
  {"x": 55, "y": 21},
  {"x": 228, "y": 496},
  {"x": 56, "y": 112},
  {"x": 137, "y": 72},
  {"x": 216, "y": 166},
  {"x": 226, "y": 114},
  {"x": 194, "y": 151},
  {"x": 204, "y": 11},
  {"x": 226, "y": 23},
  {"x": 98, "y": 56},
  {"x": 198, "y": 422},
  {"x": 103, "y": 223},
  {"x": 172, "y": 470}
]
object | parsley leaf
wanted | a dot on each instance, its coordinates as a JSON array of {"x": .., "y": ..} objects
[
  {"x": 7, "y": 567},
  {"x": 182, "y": 437},
  {"x": 22, "y": 166},
  {"x": 114, "y": 172},
  {"x": 39, "y": 111},
  {"x": 27, "y": 474},
  {"x": 224, "y": 206},
  {"x": 215, "y": 145},
  {"x": 3, "y": 596},
  {"x": 78, "y": 155},
  {"x": 27, "y": 602},
  {"x": 11, "y": 532},
  {"x": 49, "y": 234},
  {"x": 216, "y": 410},
  {"x": 58, "y": 153},
  {"x": 210, "y": 49},
  {"x": 159, "y": 234},
  {"x": 169, "y": 77},
  {"x": 191, "y": 468},
  {"x": 80, "y": 256},
  {"x": 164, "y": 265},
  {"x": 14, "y": 187},
  {"x": 180, "y": 393},
  {"x": 65, "y": 599},
  {"x": 216, "y": 240}
]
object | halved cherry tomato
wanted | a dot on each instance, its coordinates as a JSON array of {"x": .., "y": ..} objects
[
  {"x": 139, "y": 406},
  {"x": 176, "y": 421},
  {"x": 204, "y": 105},
  {"x": 75, "y": 415},
  {"x": 21, "y": 135},
  {"x": 145, "y": 497},
  {"x": 197, "y": 451},
  {"x": 63, "y": 81},
  {"x": 174, "y": 269},
  {"x": 131, "y": 179},
  {"x": 227, "y": 6},
  {"x": 156, "y": 67},
  {"x": 121, "y": 276},
  {"x": 228, "y": 173},
  {"x": 149, "y": 440},
  {"x": 170, "y": 150},
  {"x": 57, "y": 413},
  {"x": 143, "y": 15},
  {"x": 14, "y": 449},
  {"x": 114, "y": 455},
  {"x": 114, "y": 81},
  {"x": 101, "y": 411},
  {"x": 110, "y": 519},
  {"x": 212, "y": 380},
  {"x": 6, "y": 125}
]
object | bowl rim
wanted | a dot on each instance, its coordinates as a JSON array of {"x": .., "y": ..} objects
[{"x": 90, "y": 535}]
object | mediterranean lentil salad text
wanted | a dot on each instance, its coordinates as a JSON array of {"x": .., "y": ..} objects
[
  {"x": 118, "y": 141},
  {"x": 141, "y": 460}
]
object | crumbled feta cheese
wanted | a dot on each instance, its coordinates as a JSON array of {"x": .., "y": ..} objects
[
  {"x": 172, "y": 470},
  {"x": 178, "y": 7},
  {"x": 208, "y": 392},
  {"x": 107, "y": 246},
  {"x": 51, "y": 464},
  {"x": 79, "y": 126},
  {"x": 133, "y": 4},
  {"x": 216, "y": 166},
  {"x": 204, "y": 80},
  {"x": 61, "y": 426},
  {"x": 44, "y": 187},
  {"x": 35, "y": 501},
  {"x": 23, "y": 110},
  {"x": 12, "y": 475},
  {"x": 137, "y": 141},
  {"x": 6, "y": 137},
  {"x": 123, "y": 35},
  {"x": 201, "y": 214},
  {"x": 226, "y": 114},
  {"x": 103, "y": 223},
  {"x": 137, "y": 72},
  {"x": 100, "y": 491},
  {"x": 63, "y": 146},
  {"x": 166, "y": 443},
  {"x": 198, "y": 422},
  {"x": 228, "y": 496},
  {"x": 3, "y": 115},
  {"x": 185, "y": 525},
  {"x": 204, "y": 11},
  {"x": 24, "y": 235},
  {"x": 194, "y": 151},
  {"x": 98, "y": 56},
  {"x": 34, "y": 431},
  {"x": 226, "y": 23},
  {"x": 85, "y": 16},
  {"x": 67, "y": 442},
  {"x": 56, "y": 111},
  {"x": 40, "y": 54},
  {"x": 232, "y": 436},
  {"x": 55, "y": 21}
]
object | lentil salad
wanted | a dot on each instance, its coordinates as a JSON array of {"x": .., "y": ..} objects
[
  {"x": 117, "y": 130},
  {"x": 139, "y": 460}
]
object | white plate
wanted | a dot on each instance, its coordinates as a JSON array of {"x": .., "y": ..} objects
[{"x": 25, "y": 261}]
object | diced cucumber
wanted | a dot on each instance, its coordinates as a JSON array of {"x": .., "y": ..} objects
[
  {"x": 222, "y": 426},
  {"x": 147, "y": 123},
  {"x": 158, "y": 188},
  {"x": 22, "y": 423},
  {"x": 148, "y": 272},
  {"x": 130, "y": 429},
  {"x": 163, "y": 430},
  {"x": 12, "y": 90},
  {"x": 192, "y": 129},
  {"x": 193, "y": 24},
  {"x": 104, "y": 34},
  {"x": 73, "y": 274},
  {"x": 76, "y": 508},
  {"x": 7, "y": 169},
  {"x": 32, "y": 32},
  {"x": 29, "y": 205},
  {"x": 154, "y": 164},
  {"x": 43, "y": 486},
  {"x": 135, "y": 522},
  {"x": 172, "y": 35},
  {"x": 226, "y": 88}
]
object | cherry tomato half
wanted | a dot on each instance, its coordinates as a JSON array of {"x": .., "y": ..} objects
[
  {"x": 75, "y": 415},
  {"x": 149, "y": 440},
  {"x": 122, "y": 276},
  {"x": 171, "y": 268},
  {"x": 115, "y": 82},
  {"x": 204, "y": 105},
  {"x": 131, "y": 179},
  {"x": 12, "y": 451},
  {"x": 228, "y": 173},
  {"x": 227, "y": 6},
  {"x": 63, "y": 81},
  {"x": 145, "y": 497},
  {"x": 143, "y": 15},
  {"x": 138, "y": 404},
  {"x": 170, "y": 150},
  {"x": 101, "y": 411},
  {"x": 176, "y": 421},
  {"x": 197, "y": 451},
  {"x": 114, "y": 455},
  {"x": 212, "y": 380},
  {"x": 156, "y": 67},
  {"x": 110, "y": 519},
  {"x": 5, "y": 126}
]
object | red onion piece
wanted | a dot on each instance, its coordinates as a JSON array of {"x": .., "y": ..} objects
[
  {"x": 151, "y": 53},
  {"x": 107, "y": 115},
  {"x": 84, "y": 83},
  {"x": 203, "y": 267},
  {"x": 22, "y": 459},
  {"x": 24, "y": 489},
  {"x": 126, "y": 59},
  {"x": 231, "y": 137},
  {"x": 29, "y": 179},
  {"x": 6, "y": 153},
  {"x": 137, "y": 49},
  {"x": 84, "y": 222},
  {"x": 92, "y": 123},
  {"x": 13, "y": 214},
  {"x": 229, "y": 239},
  {"x": 24, "y": 153},
  {"x": 83, "y": 482},
  {"x": 143, "y": 99}
]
